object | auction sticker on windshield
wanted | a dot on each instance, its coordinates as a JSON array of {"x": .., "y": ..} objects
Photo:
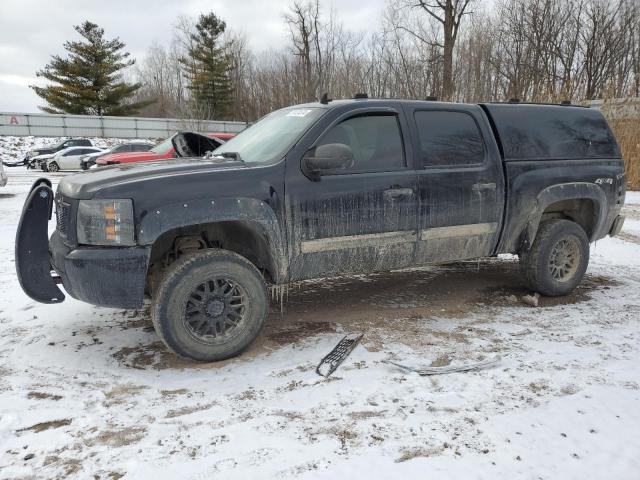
[{"x": 298, "y": 112}]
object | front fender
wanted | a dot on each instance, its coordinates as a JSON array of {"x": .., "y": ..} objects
[{"x": 168, "y": 217}]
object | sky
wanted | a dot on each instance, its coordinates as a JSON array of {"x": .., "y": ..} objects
[{"x": 33, "y": 30}]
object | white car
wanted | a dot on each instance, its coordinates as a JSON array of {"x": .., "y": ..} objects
[
  {"x": 39, "y": 161},
  {"x": 68, "y": 159},
  {"x": 3, "y": 176}
]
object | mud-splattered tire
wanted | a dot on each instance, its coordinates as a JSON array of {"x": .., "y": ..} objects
[
  {"x": 558, "y": 259},
  {"x": 210, "y": 305}
]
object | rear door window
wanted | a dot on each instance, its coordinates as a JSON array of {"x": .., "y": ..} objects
[
  {"x": 448, "y": 138},
  {"x": 374, "y": 139}
]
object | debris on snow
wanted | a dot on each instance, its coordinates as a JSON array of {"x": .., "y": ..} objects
[
  {"x": 448, "y": 368},
  {"x": 521, "y": 333},
  {"x": 532, "y": 300},
  {"x": 340, "y": 352}
]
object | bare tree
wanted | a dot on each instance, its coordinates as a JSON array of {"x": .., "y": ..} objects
[
  {"x": 602, "y": 44},
  {"x": 535, "y": 50},
  {"x": 448, "y": 14},
  {"x": 304, "y": 26},
  {"x": 160, "y": 74}
]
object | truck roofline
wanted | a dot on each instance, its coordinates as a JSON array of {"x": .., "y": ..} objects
[{"x": 349, "y": 101}]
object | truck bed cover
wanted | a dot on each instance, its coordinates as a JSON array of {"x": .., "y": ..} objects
[{"x": 550, "y": 132}]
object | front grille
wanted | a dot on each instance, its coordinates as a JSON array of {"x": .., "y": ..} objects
[{"x": 63, "y": 214}]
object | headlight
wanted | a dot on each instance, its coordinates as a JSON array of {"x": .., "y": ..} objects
[{"x": 106, "y": 222}]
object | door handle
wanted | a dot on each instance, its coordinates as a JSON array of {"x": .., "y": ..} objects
[
  {"x": 398, "y": 192},
  {"x": 478, "y": 187}
]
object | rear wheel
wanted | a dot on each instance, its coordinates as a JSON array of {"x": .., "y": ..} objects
[
  {"x": 53, "y": 167},
  {"x": 210, "y": 305},
  {"x": 558, "y": 259}
]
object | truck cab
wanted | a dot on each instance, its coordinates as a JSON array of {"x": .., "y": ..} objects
[{"x": 324, "y": 189}]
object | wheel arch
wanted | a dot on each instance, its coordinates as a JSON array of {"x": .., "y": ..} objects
[
  {"x": 246, "y": 226},
  {"x": 581, "y": 202}
]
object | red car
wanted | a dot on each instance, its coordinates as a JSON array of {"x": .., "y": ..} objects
[{"x": 193, "y": 145}]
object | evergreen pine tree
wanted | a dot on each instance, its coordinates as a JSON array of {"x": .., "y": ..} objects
[
  {"x": 89, "y": 81},
  {"x": 207, "y": 66}
]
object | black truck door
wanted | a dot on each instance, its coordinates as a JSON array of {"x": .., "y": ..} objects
[
  {"x": 461, "y": 184},
  {"x": 362, "y": 218}
]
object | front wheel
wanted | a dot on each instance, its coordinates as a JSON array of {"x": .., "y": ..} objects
[
  {"x": 53, "y": 167},
  {"x": 210, "y": 305},
  {"x": 558, "y": 259}
]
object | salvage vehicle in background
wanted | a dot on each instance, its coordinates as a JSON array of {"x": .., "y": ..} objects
[
  {"x": 39, "y": 161},
  {"x": 89, "y": 160},
  {"x": 3, "y": 176},
  {"x": 192, "y": 145},
  {"x": 325, "y": 189},
  {"x": 67, "y": 159},
  {"x": 46, "y": 150},
  {"x": 63, "y": 144}
]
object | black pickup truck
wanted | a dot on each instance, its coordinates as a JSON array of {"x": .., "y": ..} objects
[{"x": 326, "y": 189}]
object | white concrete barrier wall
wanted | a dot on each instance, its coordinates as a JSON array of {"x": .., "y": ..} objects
[{"x": 45, "y": 125}]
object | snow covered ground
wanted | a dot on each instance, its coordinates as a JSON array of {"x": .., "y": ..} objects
[{"x": 90, "y": 392}]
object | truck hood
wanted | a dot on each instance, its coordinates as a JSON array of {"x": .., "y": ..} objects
[
  {"x": 125, "y": 157},
  {"x": 86, "y": 184}
]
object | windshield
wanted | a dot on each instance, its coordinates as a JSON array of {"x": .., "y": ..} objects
[
  {"x": 269, "y": 139},
  {"x": 61, "y": 153},
  {"x": 52, "y": 147},
  {"x": 163, "y": 147}
]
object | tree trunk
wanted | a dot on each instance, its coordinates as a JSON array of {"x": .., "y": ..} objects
[{"x": 447, "y": 64}]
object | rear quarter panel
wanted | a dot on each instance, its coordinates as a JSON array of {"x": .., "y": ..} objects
[{"x": 527, "y": 180}]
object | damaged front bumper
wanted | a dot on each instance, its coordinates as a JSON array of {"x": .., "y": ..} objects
[
  {"x": 32, "y": 253},
  {"x": 105, "y": 276}
]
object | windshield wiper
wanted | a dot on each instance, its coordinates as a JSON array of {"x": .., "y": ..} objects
[{"x": 234, "y": 155}]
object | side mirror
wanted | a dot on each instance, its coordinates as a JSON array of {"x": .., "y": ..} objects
[
  {"x": 181, "y": 146},
  {"x": 332, "y": 156}
]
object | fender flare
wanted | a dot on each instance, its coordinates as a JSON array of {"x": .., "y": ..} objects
[
  {"x": 154, "y": 223},
  {"x": 567, "y": 191}
]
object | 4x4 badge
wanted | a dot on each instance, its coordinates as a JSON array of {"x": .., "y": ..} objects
[{"x": 601, "y": 181}]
